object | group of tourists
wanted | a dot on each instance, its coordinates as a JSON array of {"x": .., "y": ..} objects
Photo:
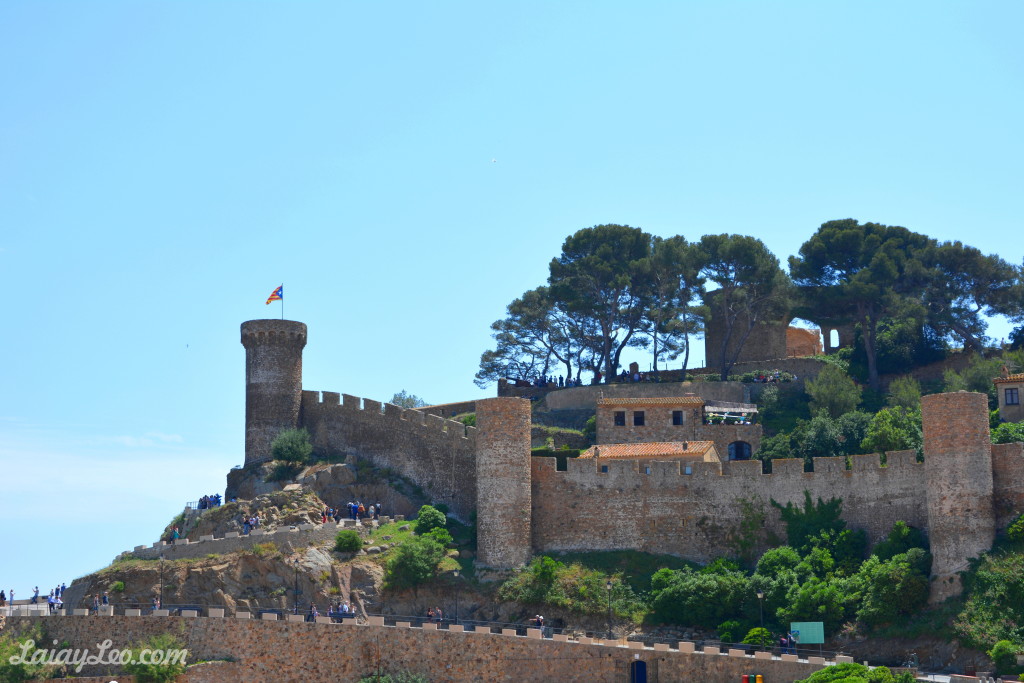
[
  {"x": 435, "y": 614},
  {"x": 553, "y": 382},
  {"x": 250, "y": 522},
  {"x": 55, "y": 600},
  {"x": 638, "y": 376},
  {"x": 355, "y": 510},
  {"x": 211, "y": 501}
]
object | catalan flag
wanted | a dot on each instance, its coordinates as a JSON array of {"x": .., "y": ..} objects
[{"x": 278, "y": 295}]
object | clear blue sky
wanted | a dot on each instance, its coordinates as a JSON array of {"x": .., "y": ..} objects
[{"x": 406, "y": 170}]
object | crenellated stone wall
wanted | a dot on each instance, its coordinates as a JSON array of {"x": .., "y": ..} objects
[
  {"x": 437, "y": 454},
  {"x": 696, "y": 515}
]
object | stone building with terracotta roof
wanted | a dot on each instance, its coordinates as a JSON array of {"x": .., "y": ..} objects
[
  {"x": 1010, "y": 389},
  {"x": 688, "y": 418}
]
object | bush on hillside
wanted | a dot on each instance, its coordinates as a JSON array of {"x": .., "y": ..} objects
[
  {"x": 348, "y": 541},
  {"x": 1004, "y": 655},
  {"x": 414, "y": 562},
  {"x": 833, "y": 392},
  {"x": 429, "y": 517},
  {"x": 894, "y": 429},
  {"x": 291, "y": 445},
  {"x": 1016, "y": 529},
  {"x": 759, "y": 636}
]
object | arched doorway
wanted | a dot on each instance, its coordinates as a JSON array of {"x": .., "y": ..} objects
[
  {"x": 739, "y": 450},
  {"x": 638, "y": 671}
]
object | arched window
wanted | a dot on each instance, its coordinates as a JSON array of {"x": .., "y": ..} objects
[{"x": 739, "y": 450}]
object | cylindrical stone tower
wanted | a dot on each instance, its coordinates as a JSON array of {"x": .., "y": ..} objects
[
  {"x": 273, "y": 382},
  {"x": 503, "y": 500},
  {"x": 958, "y": 466}
]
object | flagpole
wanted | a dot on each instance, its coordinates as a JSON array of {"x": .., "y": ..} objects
[{"x": 282, "y": 301}]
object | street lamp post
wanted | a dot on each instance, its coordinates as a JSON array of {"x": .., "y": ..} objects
[
  {"x": 161, "y": 598},
  {"x": 456, "y": 596},
  {"x": 295, "y": 604},
  {"x": 608, "y": 586},
  {"x": 760, "y": 602}
]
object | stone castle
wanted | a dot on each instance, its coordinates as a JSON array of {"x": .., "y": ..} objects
[{"x": 690, "y": 502}]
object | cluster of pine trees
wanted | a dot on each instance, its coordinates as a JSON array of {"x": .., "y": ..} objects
[{"x": 614, "y": 287}]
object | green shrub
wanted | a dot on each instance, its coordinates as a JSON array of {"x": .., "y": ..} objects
[
  {"x": 1016, "y": 529},
  {"x": 573, "y": 587},
  {"x": 429, "y": 517},
  {"x": 291, "y": 445},
  {"x": 348, "y": 541},
  {"x": 414, "y": 562},
  {"x": 117, "y": 586},
  {"x": 1004, "y": 655},
  {"x": 761, "y": 637},
  {"x": 441, "y": 535},
  {"x": 706, "y": 599},
  {"x": 901, "y": 539},
  {"x": 728, "y": 630},
  {"x": 1008, "y": 432},
  {"x": 162, "y": 665},
  {"x": 833, "y": 392}
]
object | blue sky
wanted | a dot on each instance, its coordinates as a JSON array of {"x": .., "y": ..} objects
[{"x": 406, "y": 170}]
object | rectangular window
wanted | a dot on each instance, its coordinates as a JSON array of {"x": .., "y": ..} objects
[
  {"x": 677, "y": 417},
  {"x": 620, "y": 418},
  {"x": 647, "y": 470},
  {"x": 688, "y": 469},
  {"x": 1012, "y": 397},
  {"x": 604, "y": 469},
  {"x": 638, "y": 418}
]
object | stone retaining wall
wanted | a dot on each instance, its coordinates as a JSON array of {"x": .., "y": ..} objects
[{"x": 285, "y": 651}]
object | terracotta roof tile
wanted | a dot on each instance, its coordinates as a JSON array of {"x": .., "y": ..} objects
[
  {"x": 659, "y": 449},
  {"x": 673, "y": 400},
  {"x": 1019, "y": 377}
]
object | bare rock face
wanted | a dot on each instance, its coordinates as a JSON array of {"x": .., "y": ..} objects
[
  {"x": 246, "y": 484},
  {"x": 275, "y": 510},
  {"x": 327, "y": 476},
  {"x": 247, "y": 581}
]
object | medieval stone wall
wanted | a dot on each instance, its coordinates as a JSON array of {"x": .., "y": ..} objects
[
  {"x": 261, "y": 651},
  {"x": 695, "y": 515},
  {"x": 1007, "y": 482},
  {"x": 437, "y": 454}
]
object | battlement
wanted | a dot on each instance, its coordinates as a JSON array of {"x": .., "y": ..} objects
[
  {"x": 897, "y": 463},
  {"x": 388, "y": 413},
  {"x": 436, "y": 453},
  {"x": 281, "y": 332}
]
